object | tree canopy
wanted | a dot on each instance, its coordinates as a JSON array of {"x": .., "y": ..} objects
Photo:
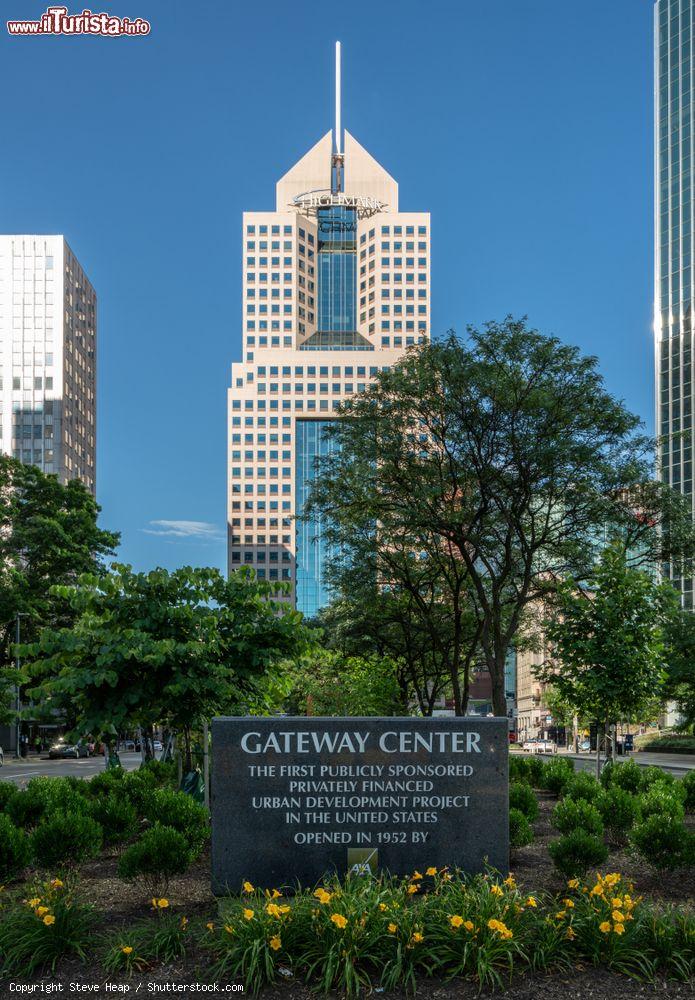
[
  {"x": 608, "y": 650},
  {"x": 505, "y": 455},
  {"x": 163, "y": 647}
]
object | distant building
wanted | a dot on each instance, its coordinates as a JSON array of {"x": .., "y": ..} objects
[
  {"x": 336, "y": 285},
  {"x": 48, "y": 362},
  {"x": 674, "y": 247}
]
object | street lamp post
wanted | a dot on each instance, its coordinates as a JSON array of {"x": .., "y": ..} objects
[{"x": 20, "y": 615}]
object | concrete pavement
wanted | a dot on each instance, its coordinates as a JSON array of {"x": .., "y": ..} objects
[{"x": 20, "y": 771}]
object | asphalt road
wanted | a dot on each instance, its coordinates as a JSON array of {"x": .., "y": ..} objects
[
  {"x": 20, "y": 771},
  {"x": 676, "y": 764}
]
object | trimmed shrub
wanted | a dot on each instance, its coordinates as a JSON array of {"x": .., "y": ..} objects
[
  {"x": 164, "y": 771},
  {"x": 583, "y": 786},
  {"x": 182, "y": 813},
  {"x": 107, "y": 782},
  {"x": 619, "y": 811},
  {"x": 688, "y": 785},
  {"x": 45, "y": 796},
  {"x": 606, "y": 776},
  {"x": 138, "y": 787},
  {"x": 576, "y": 852},
  {"x": 66, "y": 838},
  {"x": 653, "y": 775},
  {"x": 116, "y": 816},
  {"x": 8, "y": 790},
  {"x": 15, "y": 849},
  {"x": 661, "y": 800},
  {"x": 627, "y": 776},
  {"x": 520, "y": 832},
  {"x": 557, "y": 775},
  {"x": 159, "y": 854},
  {"x": 663, "y": 841},
  {"x": 577, "y": 814},
  {"x": 529, "y": 769},
  {"x": 522, "y": 797}
]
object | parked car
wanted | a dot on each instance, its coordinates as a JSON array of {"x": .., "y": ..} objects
[
  {"x": 2, "y": 757},
  {"x": 66, "y": 751},
  {"x": 157, "y": 745},
  {"x": 584, "y": 745},
  {"x": 539, "y": 746}
]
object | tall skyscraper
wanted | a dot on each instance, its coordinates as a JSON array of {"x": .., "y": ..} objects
[
  {"x": 673, "y": 308},
  {"x": 336, "y": 285},
  {"x": 48, "y": 363}
]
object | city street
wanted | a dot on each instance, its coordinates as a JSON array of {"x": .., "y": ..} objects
[
  {"x": 20, "y": 771},
  {"x": 676, "y": 764}
]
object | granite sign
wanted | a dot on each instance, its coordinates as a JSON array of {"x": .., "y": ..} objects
[{"x": 294, "y": 798}]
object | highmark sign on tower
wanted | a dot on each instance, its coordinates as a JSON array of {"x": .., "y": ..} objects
[{"x": 295, "y": 798}]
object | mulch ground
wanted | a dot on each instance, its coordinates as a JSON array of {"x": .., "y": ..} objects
[{"x": 119, "y": 904}]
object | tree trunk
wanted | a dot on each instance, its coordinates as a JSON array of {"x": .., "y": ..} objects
[
  {"x": 499, "y": 695},
  {"x": 187, "y": 750}
]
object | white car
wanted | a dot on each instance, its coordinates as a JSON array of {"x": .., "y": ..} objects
[
  {"x": 2, "y": 757},
  {"x": 157, "y": 745},
  {"x": 539, "y": 746}
]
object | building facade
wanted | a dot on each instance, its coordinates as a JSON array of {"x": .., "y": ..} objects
[
  {"x": 336, "y": 285},
  {"x": 48, "y": 362},
  {"x": 674, "y": 244}
]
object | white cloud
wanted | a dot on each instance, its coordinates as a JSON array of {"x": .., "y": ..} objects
[{"x": 200, "y": 530}]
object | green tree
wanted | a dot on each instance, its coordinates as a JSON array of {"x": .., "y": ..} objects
[
  {"x": 506, "y": 452},
  {"x": 680, "y": 670},
  {"x": 172, "y": 648},
  {"x": 327, "y": 683},
  {"x": 48, "y": 535},
  {"x": 607, "y": 644}
]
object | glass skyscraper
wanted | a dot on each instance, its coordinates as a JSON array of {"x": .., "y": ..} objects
[
  {"x": 336, "y": 285},
  {"x": 673, "y": 313}
]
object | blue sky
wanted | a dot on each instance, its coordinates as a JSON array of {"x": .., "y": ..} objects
[{"x": 523, "y": 126}]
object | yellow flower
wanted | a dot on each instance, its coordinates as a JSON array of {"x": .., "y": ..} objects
[
  {"x": 184, "y": 923},
  {"x": 323, "y": 896},
  {"x": 162, "y": 903},
  {"x": 49, "y": 919},
  {"x": 392, "y": 928},
  {"x": 617, "y": 917},
  {"x": 383, "y": 907},
  {"x": 605, "y": 927},
  {"x": 561, "y": 915},
  {"x": 617, "y": 903},
  {"x": 284, "y": 909},
  {"x": 416, "y": 876},
  {"x": 568, "y": 903},
  {"x": 56, "y": 883},
  {"x": 569, "y": 934},
  {"x": 228, "y": 928},
  {"x": 431, "y": 871},
  {"x": 612, "y": 880},
  {"x": 573, "y": 883},
  {"x": 417, "y": 938},
  {"x": 500, "y": 928},
  {"x": 469, "y": 925},
  {"x": 34, "y": 902},
  {"x": 40, "y": 910},
  {"x": 339, "y": 920},
  {"x": 275, "y": 894},
  {"x": 597, "y": 890},
  {"x": 126, "y": 949},
  {"x": 456, "y": 921},
  {"x": 412, "y": 889},
  {"x": 210, "y": 926},
  {"x": 447, "y": 877},
  {"x": 248, "y": 914},
  {"x": 248, "y": 887},
  {"x": 496, "y": 891},
  {"x": 273, "y": 910},
  {"x": 531, "y": 901},
  {"x": 619, "y": 929},
  {"x": 275, "y": 943},
  {"x": 509, "y": 881}
]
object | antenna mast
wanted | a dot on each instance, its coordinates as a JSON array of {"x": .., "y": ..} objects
[{"x": 338, "y": 141}]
